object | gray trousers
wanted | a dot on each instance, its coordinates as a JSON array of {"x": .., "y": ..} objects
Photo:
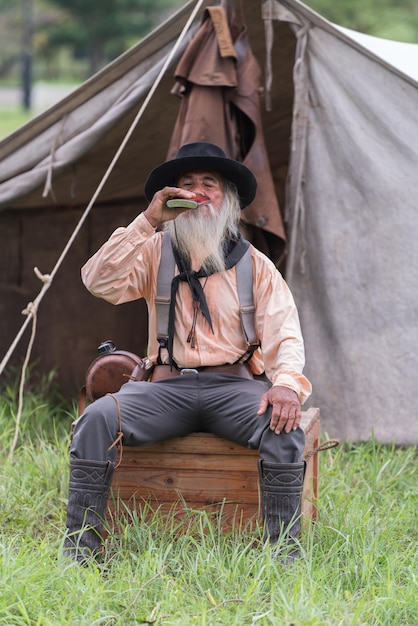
[{"x": 150, "y": 412}]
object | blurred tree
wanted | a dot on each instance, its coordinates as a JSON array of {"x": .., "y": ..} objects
[
  {"x": 102, "y": 29},
  {"x": 27, "y": 53},
  {"x": 391, "y": 19},
  {"x": 9, "y": 36},
  {"x": 69, "y": 35}
]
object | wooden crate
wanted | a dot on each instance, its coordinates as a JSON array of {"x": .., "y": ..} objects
[{"x": 203, "y": 471}]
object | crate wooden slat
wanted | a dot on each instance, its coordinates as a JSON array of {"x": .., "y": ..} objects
[{"x": 203, "y": 471}]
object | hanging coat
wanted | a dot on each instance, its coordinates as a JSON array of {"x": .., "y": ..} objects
[{"x": 218, "y": 80}]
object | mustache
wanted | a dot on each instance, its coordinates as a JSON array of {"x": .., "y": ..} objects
[{"x": 203, "y": 209}]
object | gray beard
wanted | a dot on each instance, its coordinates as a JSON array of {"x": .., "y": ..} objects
[{"x": 199, "y": 234}]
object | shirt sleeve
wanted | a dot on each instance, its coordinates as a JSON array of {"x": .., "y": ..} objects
[
  {"x": 122, "y": 269},
  {"x": 278, "y": 327}
]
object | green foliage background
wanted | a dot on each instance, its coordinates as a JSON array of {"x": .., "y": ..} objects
[
  {"x": 391, "y": 19},
  {"x": 72, "y": 39}
]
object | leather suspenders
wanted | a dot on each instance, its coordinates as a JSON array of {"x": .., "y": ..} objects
[{"x": 244, "y": 273}]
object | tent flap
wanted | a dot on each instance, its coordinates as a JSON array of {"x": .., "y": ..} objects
[{"x": 357, "y": 284}]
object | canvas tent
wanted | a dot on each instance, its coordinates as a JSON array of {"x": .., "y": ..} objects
[{"x": 341, "y": 140}]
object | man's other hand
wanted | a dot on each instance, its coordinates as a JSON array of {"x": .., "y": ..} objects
[{"x": 286, "y": 413}]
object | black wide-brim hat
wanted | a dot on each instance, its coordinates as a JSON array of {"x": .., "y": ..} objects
[{"x": 202, "y": 156}]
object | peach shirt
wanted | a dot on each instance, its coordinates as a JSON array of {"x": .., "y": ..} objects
[{"x": 125, "y": 269}]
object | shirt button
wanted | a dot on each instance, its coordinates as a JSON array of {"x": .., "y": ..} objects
[
  {"x": 144, "y": 234},
  {"x": 204, "y": 347}
]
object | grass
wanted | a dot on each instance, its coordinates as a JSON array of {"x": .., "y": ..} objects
[
  {"x": 11, "y": 118},
  {"x": 359, "y": 562}
]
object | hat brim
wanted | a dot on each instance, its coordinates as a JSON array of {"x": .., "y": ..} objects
[{"x": 168, "y": 173}]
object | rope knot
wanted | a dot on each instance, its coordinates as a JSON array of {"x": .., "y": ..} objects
[
  {"x": 44, "y": 278},
  {"x": 31, "y": 309}
]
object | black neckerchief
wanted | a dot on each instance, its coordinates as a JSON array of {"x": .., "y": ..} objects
[{"x": 234, "y": 250}]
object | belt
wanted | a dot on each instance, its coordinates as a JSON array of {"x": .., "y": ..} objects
[{"x": 160, "y": 372}]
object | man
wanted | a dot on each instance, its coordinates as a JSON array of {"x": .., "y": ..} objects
[{"x": 201, "y": 379}]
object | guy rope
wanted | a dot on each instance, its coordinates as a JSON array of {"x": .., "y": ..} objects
[{"x": 32, "y": 308}]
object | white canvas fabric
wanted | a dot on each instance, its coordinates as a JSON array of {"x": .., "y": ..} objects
[
  {"x": 354, "y": 271},
  {"x": 399, "y": 54},
  {"x": 78, "y": 128}
]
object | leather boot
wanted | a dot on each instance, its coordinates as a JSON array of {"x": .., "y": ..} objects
[
  {"x": 281, "y": 493},
  {"x": 87, "y": 499}
]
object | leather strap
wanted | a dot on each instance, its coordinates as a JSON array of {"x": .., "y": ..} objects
[
  {"x": 161, "y": 372},
  {"x": 223, "y": 34},
  {"x": 82, "y": 400}
]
